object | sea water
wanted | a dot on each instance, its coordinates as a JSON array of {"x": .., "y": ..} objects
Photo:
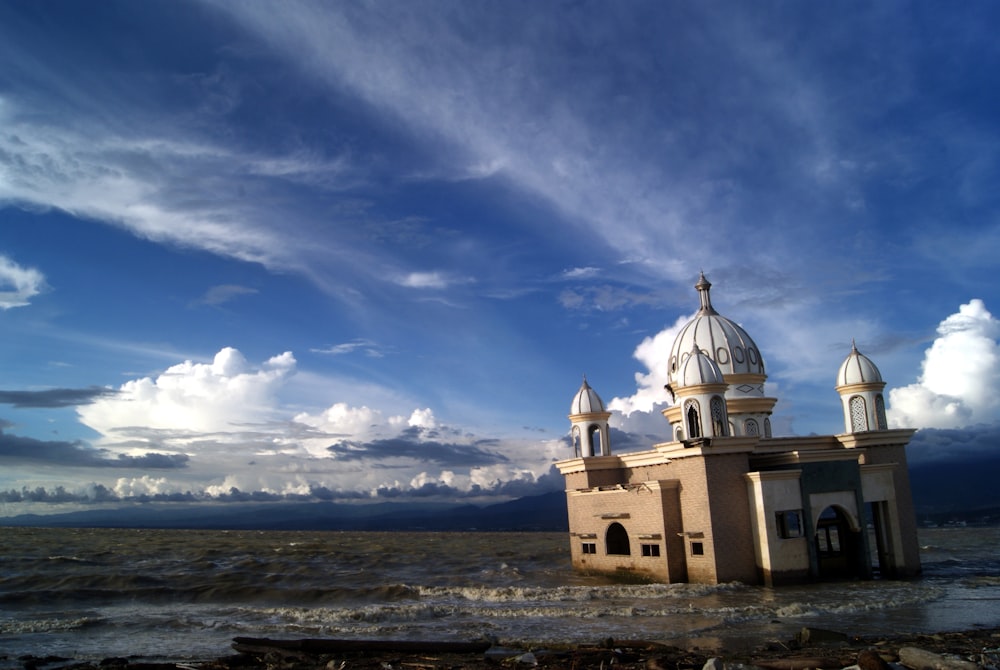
[{"x": 89, "y": 594}]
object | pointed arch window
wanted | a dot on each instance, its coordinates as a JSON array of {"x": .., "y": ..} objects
[
  {"x": 719, "y": 424},
  {"x": 692, "y": 414},
  {"x": 767, "y": 427},
  {"x": 751, "y": 427},
  {"x": 880, "y": 412},
  {"x": 859, "y": 415}
]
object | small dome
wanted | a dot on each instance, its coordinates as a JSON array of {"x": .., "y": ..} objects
[
  {"x": 857, "y": 369},
  {"x": 722, "y": 340},
  {"x": 586, "y": 400},
  {"x": 698, "y": 368}
]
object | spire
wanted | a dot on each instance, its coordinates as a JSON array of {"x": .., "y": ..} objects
[{"x": 704, "y": 286}]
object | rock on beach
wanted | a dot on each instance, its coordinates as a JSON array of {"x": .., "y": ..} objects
[{"x": 977, "y": 649}]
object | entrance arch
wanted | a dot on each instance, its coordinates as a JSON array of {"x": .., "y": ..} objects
[
  {"x": 616, "y": 540},
  {"x": 839, "y": 545}
]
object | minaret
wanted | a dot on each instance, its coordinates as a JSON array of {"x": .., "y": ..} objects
[
  {"x": 589, "y": 419},
  {"x": 699, "y": 408},
  {"x": 860, "y": 385}
]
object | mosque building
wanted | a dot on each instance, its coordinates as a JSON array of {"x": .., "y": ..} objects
[{"x": 724, "y": 500}]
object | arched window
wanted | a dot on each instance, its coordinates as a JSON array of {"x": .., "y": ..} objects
[
  {"x": 880, "y": 412},
  {"x": 576, "y": 440},
  {"x": 859, "y": 415},
  {"x": 767, "y": 427},
  {"x": 718, "y": 416},
  {"x": 678, "y": 434},
  {"x": 596, "y": 440},
  {"x": 616, "y": 540},
  {"x": 751, "y": 427},
  {"x": 691, "y": 413}
]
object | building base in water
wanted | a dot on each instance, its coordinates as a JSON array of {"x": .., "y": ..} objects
[{"x": 724, "y": 500}]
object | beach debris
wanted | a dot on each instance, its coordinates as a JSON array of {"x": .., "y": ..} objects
[
  {"x": 869, "y": 659},
  {"x": 814, "y": 636},
  {"x": 920, "y": 659},
  {"x": 527, "y": 658}
]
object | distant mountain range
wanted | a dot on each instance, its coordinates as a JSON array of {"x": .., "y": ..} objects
[
  {"x": 942, "y": 492},
  {"x": 534, "y": 513}
]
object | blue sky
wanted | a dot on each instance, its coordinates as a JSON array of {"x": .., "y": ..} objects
[{"x": 366, "y": 251}]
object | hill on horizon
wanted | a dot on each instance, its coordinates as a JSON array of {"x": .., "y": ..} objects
[{"x": 942, "y": 492}]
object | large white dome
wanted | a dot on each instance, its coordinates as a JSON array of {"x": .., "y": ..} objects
[
  {"x": 722, "y": 340},
  {"x": 857, "y": 369}
]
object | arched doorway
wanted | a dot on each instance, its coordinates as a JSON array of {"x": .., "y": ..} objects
[
  {"x": 839, "y": 545},
  {"x": 616, "y": 540}
]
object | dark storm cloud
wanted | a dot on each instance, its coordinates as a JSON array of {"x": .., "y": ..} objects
[
  {"x": 410, "y": 445},
  {"x": 52, "y": 398},
  {"x": 78, "y": 454},
  {"x": 955, "y": 444}
]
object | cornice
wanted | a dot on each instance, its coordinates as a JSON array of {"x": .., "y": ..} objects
[
  {"x": 860, "y": 387},
  {"x": 897, "y": 437}
]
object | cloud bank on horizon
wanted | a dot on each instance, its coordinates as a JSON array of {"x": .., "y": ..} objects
[{"x": 364, "y": 251}]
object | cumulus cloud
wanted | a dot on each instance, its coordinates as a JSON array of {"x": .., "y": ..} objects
[
  {"x": 960, "y": 380},
  {"x": 654, "y": 353},
  {"x": 195, "y": 397},
  {"x": 18, "y": 284},
  {"x": 220, "y": 430}
]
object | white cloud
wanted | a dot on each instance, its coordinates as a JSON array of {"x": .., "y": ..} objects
[
  {"x": 654, "y": 353},
  {"x": 960, "y": 382},
  {"x": 194, "y": 398},
  {"x": 18, "y": 284},
  {"x": 141, "y": 486},
  {"x": 435, "y": 280},
  {"x": 423, "y": 418},
  {"x": 580, "y": 273}
]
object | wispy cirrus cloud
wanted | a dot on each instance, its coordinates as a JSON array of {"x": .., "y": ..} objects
[
  {"x": 368, "y": 347},
  {"x": 18, "y": 285}
]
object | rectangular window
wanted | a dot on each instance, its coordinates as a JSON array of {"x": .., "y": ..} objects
[
  {"x": 650, "y": 550},
  {"x": 789, "y": 523},
  {"x": 697, "y": 549},
  {"x": 589, "y": 547}
]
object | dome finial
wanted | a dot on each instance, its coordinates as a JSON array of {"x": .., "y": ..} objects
[{"x": 704, "y": 286}]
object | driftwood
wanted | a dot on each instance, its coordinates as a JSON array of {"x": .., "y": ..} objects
[{"x": 336, "y": 646}]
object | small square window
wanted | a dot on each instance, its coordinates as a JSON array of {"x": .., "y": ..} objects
[
  {"x": 789, "y": 523},
  {"x": 650, "y": 550},
  {"x": 697, "y": 549},
  {"x": 589, "y": 547}
]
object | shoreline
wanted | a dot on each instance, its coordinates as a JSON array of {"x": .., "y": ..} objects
[{"x": 811, "y": 648}]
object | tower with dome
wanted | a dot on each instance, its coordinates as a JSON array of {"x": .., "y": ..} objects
[{"x": 725, "y": 500}]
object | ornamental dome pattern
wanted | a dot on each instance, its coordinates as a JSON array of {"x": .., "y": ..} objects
[
  {"x": 857, "y": 369},
  {"x": 719, "y": 338},
  {"x": 586, "y": 400}
]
